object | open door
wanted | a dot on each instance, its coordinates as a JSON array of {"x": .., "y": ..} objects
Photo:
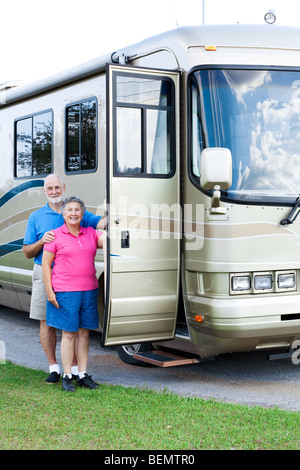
[{"x": 143, "y": 245}]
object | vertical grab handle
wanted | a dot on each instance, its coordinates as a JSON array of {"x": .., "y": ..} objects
[{"x": 125, "y": 239}]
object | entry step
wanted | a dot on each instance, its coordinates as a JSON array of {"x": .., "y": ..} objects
[{"x": 164, "y": 359}]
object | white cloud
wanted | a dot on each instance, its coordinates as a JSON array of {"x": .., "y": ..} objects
[{"x": 274, "y": 153}]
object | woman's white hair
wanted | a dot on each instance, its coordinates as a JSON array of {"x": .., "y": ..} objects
[{"x": 73, "y": 199}]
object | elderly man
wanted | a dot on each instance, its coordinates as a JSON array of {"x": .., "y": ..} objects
[{"x": 39, "y": 231}]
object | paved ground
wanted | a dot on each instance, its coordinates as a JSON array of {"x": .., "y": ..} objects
[{"x": 247, "y": 378}]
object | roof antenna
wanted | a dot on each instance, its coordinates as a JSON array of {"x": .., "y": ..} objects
[{"x": 173, "y": 12}]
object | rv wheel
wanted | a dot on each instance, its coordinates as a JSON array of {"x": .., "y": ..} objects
[{"x": 126, "y": 352}]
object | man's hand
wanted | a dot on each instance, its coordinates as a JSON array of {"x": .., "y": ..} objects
[{"x": 48, "y": 237}]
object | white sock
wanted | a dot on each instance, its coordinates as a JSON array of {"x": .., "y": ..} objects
[
  {"x": 54, "y": 368},
  {"x": 74, "y": 370},
  {"x": 68, "y": 375},
  {"x": 81, "y": 374}
]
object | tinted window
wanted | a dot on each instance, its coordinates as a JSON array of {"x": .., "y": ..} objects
[
  {"x": 255, "y": 114},
  {"x": 33, "y": 145},
  {"x": 81, "y": 136}
]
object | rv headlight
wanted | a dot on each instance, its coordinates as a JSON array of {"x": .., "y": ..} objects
[
  {"x": 287, "y": 281},
  {"x": 240, "y": 283},
  {"x": 263, "y": 282}
]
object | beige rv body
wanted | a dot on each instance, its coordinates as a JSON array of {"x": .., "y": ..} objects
[{"x": 184, "y": 248}]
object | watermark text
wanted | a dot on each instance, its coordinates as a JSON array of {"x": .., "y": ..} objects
[{"x": 2, "y": 352}]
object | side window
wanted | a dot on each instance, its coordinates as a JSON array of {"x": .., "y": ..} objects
[
  {"x": 197, "y": 132},
  {"x": 81, "y": 138},
  {"x": 33, "y": 145},
  {"x": 144, "y": 126}
]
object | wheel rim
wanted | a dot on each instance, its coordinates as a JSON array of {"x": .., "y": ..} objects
[{"x": 131, "y": 349}]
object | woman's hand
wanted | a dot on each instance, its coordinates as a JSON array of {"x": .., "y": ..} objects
[
  {"x": 52, "y": 299},
  {"x": 46, "y": 269}
]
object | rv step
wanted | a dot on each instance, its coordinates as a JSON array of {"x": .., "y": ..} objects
[{"x": 164, "y": 359}]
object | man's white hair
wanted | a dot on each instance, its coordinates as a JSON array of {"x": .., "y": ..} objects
[{"x": 50, "y": 176}]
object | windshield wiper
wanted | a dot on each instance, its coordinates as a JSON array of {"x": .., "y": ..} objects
[{"x": 289, "y": 220}]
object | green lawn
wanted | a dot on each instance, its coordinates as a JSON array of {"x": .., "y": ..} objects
[{"x": 34, "y": 415}]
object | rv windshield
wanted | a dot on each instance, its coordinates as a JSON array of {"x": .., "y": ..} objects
[{"x": 255, "y": 114}]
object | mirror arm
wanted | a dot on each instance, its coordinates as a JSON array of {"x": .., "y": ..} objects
[{"x": 216, "y": 207}]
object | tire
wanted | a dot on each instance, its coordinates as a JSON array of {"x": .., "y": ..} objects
[{"x": 126, "y": 352}]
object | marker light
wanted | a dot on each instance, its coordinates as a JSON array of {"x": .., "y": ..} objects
[
  {"x": 210, "y": 48},
  {"x": 263, "y": 282},
  {"x": 286, "y": 281},
  {"x": 241, "y": 283},
  {"x": 199, "y": 318}
]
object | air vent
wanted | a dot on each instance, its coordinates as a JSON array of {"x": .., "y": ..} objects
[
  {"x": 8, "y": 85},
  {"x": 290, "y": 316}
]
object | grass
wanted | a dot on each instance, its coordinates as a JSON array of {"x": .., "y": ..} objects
[{"x": 37, "y": 416}]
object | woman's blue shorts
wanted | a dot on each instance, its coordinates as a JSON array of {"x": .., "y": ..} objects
[{"x": 77, "y": 310}]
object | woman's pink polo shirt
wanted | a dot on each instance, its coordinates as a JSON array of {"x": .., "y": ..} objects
[{"x": 74, "y": 266}]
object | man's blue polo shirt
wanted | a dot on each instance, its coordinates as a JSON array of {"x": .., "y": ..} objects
[{"x": 45, "y": 219}]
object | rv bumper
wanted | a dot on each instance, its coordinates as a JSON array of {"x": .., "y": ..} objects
[{"x": 233, "y": 324}]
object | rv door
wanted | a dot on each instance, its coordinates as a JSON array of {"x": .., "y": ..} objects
[{"x": 143, "y": 205}]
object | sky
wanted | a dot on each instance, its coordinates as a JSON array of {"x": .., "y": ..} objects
[{"x": 40, "y": 38}]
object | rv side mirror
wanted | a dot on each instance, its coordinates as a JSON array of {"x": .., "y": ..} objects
[{"x": 216, "y": 168}]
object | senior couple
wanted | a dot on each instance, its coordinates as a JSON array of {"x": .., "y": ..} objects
[{"x": 62, "y": 238}]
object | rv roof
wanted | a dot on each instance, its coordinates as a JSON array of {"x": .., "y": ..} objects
[
  {"x": 11, "y": 84},
  {"x": 257, "y": 36}
]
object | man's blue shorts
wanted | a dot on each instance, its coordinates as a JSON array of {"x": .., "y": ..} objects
[{"x": 77, "y": 310}]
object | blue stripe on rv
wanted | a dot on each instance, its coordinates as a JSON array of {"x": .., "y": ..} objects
[
  {"x": 14, "y": 245},
  {"x": 19, "y": 189}
]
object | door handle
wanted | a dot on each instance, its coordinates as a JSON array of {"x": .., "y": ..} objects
[{"x": 125, "y": 239}]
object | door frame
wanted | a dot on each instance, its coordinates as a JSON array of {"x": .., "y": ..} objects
[{"x": 174, "y": 76}]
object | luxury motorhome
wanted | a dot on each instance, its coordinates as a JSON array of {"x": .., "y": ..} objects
[{"x": 189, "y": 142}]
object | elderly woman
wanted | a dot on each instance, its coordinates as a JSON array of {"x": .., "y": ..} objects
[{"x": 72, "y": 288}]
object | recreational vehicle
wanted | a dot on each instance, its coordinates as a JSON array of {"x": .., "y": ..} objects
[{"x": 189, "y": 142}]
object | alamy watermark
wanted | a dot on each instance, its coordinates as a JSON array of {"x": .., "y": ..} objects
[
  {"x": 158, "y": 221},
  {"x": 296, "y": 352},
  {"x": 2, "y": 352}
]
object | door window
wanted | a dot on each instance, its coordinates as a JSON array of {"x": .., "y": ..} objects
[{"x": 144, "y": 132}]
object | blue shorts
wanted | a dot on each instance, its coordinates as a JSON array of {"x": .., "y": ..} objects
[{"x": 77, "y": 310}]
